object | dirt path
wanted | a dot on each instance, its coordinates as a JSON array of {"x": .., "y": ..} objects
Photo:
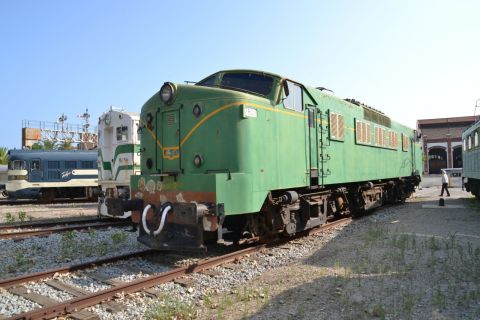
[
  {"x": 412, "y": 261},
  {"x": 30, "y": 212}
]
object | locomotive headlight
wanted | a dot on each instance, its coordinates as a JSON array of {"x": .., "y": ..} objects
[
  {"x": 198, "y": 160},
  {"x": 167, "y": 92}
]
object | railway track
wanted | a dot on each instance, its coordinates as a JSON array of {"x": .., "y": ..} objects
[
  {"x": 46, "y": 231},
  {"x": 51, "y": 223},
  {"x": 7, "y": 202},
  {"x": 83, "y": 300}
]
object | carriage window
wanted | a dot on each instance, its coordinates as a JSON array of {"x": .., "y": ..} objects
[
  {"x": 469, "y": 142},
  {"x": 122, "y": 133},
  {"x": 294, "y": 100},
  {"x": 475, "y": 140},
  {"x": 35, "y": 165},
  {"x": 17, "y": 165}
]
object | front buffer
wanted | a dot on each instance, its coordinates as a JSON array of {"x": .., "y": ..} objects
[{"x": 173, "y": 226}]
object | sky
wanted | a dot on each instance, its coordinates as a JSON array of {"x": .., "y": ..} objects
[{"x": 410, "y": 59}]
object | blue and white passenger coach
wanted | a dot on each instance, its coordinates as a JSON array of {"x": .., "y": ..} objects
[{"x": 50, "y": 174}]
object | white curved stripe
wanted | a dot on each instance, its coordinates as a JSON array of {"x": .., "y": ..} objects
[
  {"x": 162, "y": 222},
  {"x": 14, "y": 185},
  {"x": 144, "y": 218}
]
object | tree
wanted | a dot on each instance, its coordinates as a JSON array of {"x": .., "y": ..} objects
[
  {"x": 37, "y": 146},
  {"x": 66, "y": 145},
  {"x": 49, "y": 145},
  {"x": 3, "y": 155}
]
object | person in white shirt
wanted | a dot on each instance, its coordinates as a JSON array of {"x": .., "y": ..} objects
[{"x": 444, "y": 184}]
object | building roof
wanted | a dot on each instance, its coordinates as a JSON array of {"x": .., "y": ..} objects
[
  {"x": 442, "y": 133},
  {"x": 467, "y": 119},
  {"x": 445, "y": 128}
]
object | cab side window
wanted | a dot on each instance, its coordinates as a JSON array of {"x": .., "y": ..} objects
[
  {"x": 122, "y": 133},
  {"x": 35, "y": 165},
  {"x": 294, "y": 99}
]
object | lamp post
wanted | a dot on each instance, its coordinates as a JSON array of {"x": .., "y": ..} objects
[
  {"x": 449, "y": 150},
  {"x": 477, "y": 105},
  {"x": 425, "y": 152}
]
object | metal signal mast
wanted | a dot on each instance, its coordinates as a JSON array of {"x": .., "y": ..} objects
[{"x": 59, "y": 131}]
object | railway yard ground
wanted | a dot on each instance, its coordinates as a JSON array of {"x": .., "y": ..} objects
[
  {"x": 410, "y": 261},
  {"x": 35, "y": 211}
]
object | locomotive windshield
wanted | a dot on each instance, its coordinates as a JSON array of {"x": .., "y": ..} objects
[
  {"x": 17, "y": 165},
  {"x": 242, "y": 81}
]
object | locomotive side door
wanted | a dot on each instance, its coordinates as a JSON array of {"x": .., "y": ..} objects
[
  {"x": 313, "y": 144},
  {"x": 170, "y": 136},
  {"x": 36, "y": 173}
]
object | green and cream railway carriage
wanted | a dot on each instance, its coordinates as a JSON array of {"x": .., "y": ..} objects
[
  {"x": 118, "y": 156},
  {"x": 259, "y": 154},
  {"x": 471, "y": 159}
]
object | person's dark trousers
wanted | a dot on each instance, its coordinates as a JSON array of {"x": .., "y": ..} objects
[{"x": 445, "y": 187}]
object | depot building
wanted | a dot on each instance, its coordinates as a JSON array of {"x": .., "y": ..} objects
[{"x": 442, "y": 142}]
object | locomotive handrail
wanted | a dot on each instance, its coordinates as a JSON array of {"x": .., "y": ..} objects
[{"x": 220, "y": 171}]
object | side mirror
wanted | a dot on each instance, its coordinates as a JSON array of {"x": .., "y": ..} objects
[
  {"x": 285, "y": 88},
  {"x": 418, "y": 135}
]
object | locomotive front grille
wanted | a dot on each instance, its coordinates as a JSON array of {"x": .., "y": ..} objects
[{"x": 170, "y": 118}]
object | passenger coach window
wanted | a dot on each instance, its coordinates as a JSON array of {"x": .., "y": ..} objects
[
  {"x": 294, "y": 100},
  {"x": 122, "y": 133}
]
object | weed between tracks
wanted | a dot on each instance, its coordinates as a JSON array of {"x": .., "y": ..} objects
[
  {"x": 171, "y": 308},
  {"x": 20, "y": 216},
  {"x": 72, "y": 245},
  {"x": 386, "y": 274}
]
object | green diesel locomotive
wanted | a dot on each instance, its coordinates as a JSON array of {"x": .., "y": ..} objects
[{"x": 250, "y": 154}]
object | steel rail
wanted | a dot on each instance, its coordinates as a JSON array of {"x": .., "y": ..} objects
[
  {"x": 10, "y": 282},
  {"x": 50, "y": 223},
  {"x": 8, "y": 202},
  {"x": 41, "y": 232},
  {"x": 72, "y": 305}
]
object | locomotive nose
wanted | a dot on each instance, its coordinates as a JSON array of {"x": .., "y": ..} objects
[{"x": 173, "y": 226}]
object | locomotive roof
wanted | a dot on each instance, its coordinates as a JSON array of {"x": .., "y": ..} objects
[
  {"x": 249, "y": 70},
  {"x": 121, "y": 111},
  {"x": 131, "y": 114},
  {"x": 54, "y": 155}
]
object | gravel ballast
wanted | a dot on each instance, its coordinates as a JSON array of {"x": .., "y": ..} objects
[{"x": 399, "y": 262}]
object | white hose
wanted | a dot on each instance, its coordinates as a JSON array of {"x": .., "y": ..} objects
[
  {"x": 162, "y": 222},
  {"x": 144, "y": 218}
]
